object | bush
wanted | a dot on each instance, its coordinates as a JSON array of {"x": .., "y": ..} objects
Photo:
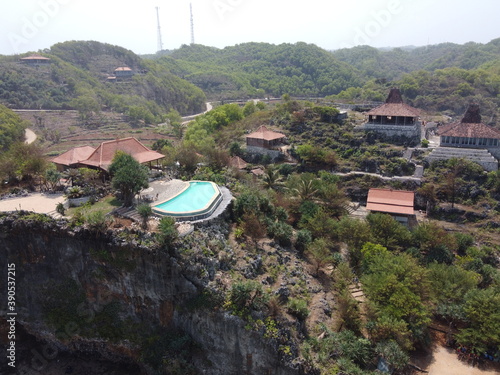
[
  {"x": 281, "y": 232},
  {"x": 60, "y": 209},
  {"x": 304, "y": 238},
  {"x": 246, "y": 296},
  {"x": 298, "y": 308},
  {"x": 97, "y": 220},
  {"x": 167, "y": 231}
]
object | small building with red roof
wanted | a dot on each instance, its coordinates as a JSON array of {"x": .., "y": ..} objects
[
  {"x": 71, "y": 158},
  {"x": 395, "y": 119},
  {"x": 123, "y": 72},
  {"x": 265, "y": 138},
  {"x": 35, "y": 59},
  {"x": 265, "y": 142},
  {"x": 397, "y": 203}
]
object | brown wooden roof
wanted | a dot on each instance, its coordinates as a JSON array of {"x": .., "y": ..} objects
[
  {"x": 34, "y": 57},
  {"x": 74, "y": 156},
  {"x": 470, "y": 126},
  {"x": 103, "y": 156},
  {"x": 394, "y": 106},
  {"x": 391, "y": 201},
  {"x": 238, "y": 162},
  {"x": 264, "y": 133}
]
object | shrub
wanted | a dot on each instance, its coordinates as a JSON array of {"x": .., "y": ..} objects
[
  {"x": 60, "y": 209},
  {"x": 167, "y": 231},
  {"x": 298, "y": 308},
  {"x": 304, "y": 238},
  {"x": 246, "y": 296}
]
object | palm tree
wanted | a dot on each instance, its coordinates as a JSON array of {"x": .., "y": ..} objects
[
  {"x": 305, "y": 189},
  {"x": 272, "y": 178}
]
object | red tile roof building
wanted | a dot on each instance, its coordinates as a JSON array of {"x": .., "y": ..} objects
[
  {"x": 35, "y": 60},
  {"x": 102, "y": 157},
  {"x": 469, "y": 132},
  {"x": 263, "y": 137},
  {"x": 238, "y": 163},
  {"x": 397, "y": 203},
  {"x": 72, "y": 157},
  {"x": 394, "y": 111},
  {"x": 394, "y": 121}
]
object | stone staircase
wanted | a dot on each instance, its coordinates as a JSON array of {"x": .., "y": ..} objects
[
  {"x": 480, "y": 156},
  {"x": 128, "y": 212},
  {"x": 56, "y": 215}
]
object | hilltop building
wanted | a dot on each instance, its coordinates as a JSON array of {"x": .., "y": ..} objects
[
  {"x": 395, "y": 119},
  {"x": 397, "y": 203},
  {"x": 35, "y": 60},
  {"x": 102, "y": 157},
  {"x": 123, "y": 72},
  {"x": 470, "y": 139}
]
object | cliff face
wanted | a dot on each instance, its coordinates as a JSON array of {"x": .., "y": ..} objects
[{"x": 68, "y": 281}]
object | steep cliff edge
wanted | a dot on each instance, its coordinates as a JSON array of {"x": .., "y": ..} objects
[{"x": 109, "y": 294}]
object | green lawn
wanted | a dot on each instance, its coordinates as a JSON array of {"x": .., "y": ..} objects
[{"x": 106, "y": 205}]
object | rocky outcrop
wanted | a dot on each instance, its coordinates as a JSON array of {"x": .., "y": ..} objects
[{"x": 55, "y": 264}]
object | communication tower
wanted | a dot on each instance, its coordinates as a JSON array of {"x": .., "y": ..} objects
[
  {"x": 192, "y": 23},
  {"x": 160, "y": 43}
]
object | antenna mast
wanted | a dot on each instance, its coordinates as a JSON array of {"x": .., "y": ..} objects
[
  {"x": 160, "y": 43},
  {"x": 192, "y": 23}
]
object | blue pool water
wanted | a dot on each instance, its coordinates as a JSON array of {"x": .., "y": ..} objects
[{"x": 196, "y": 197}]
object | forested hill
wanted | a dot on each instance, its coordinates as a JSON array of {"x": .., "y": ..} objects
[
  {"x": 261, "y": 69},
  {"x": 391, "y": 64},
  {"x": 76, "y": 78}
]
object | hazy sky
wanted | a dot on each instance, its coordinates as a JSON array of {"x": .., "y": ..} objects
[{"x": 31, "y": 25}]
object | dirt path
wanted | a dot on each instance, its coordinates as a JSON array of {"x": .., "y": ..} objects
[
  {"x": 445, "y": 362},
  {"x": 36, "y": 202},
  {"x": 30, "y": 136}
]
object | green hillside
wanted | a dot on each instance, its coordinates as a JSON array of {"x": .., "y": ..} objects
[
  {"x": 261, "y": 69},
  {"x": 76, "y": 78},
  {"x": 391, "y": 64}
]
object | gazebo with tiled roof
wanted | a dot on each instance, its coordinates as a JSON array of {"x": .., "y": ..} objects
[
  {"x": 394, "y": 119},
  {"x": 394, "y": 111}
]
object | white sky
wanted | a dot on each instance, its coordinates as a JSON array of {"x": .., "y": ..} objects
[{"x": 31, "y": 25}]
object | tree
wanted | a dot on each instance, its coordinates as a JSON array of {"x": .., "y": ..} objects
[
  {"x": 129, "y": 177},
  {"x": 388, "y": 232},
  {"x": 272, "y": 178},
  {"x": 483, "y": 314},
  {"x": 167, "y": 231},
  {"x": 145, "y": 211},
  {"x": 397, "y": 289},
  {"x": 449, "y": 285},
  {"x": 319, "y": 254}
]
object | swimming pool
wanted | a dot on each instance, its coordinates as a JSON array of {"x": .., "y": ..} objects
[{"x": 197, "y": 201}]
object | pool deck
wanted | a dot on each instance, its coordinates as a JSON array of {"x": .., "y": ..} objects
[{"x": 160, "y": 191}]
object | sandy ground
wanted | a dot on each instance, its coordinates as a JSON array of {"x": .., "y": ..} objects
[
  {"x": 445, "y": 362},
  {"x": 40, "y": 203},
  {"x": 30, "y": 136}
]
